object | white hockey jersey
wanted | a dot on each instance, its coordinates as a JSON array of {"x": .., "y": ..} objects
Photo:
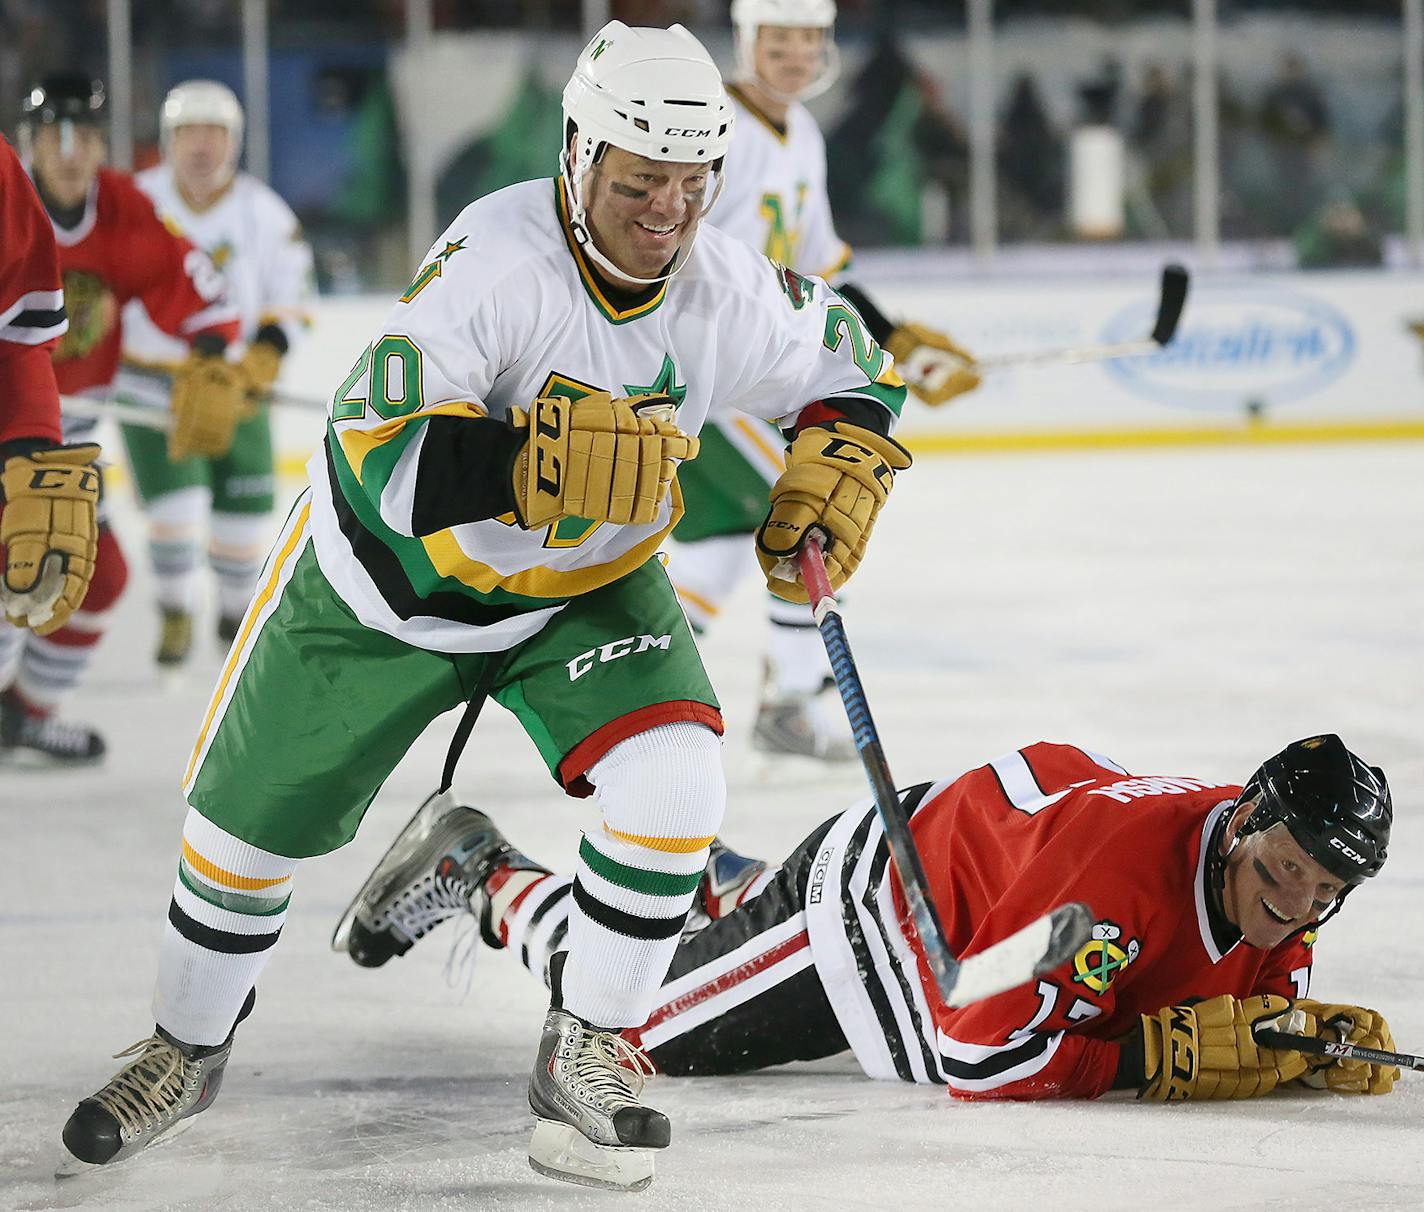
[
  {"x": 255, "y": 240},
  {"x": 506, "y": 309},
  {"x": 774, "y": 197}
]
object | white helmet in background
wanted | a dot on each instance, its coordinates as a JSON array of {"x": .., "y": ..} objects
[
  {"x": 748, "y": 16},
  {"x": 652, "y": 92},
  {"x": 202, "y": 103}
]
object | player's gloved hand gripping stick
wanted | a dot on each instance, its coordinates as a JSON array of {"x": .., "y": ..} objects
[{"x": 1039, "y": 946}]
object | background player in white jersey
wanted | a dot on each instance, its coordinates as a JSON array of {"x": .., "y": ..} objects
[
  {"x": 255, "y": 240},
  {"x": 483, "y": 519},
  {"x": 775, "y": 199}
]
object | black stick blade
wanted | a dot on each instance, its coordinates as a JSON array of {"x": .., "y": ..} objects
[{"x": 1174, "y": 298}]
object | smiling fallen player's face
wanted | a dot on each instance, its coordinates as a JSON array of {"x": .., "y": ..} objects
[
  {"x": 641, "y": 211},
  {"x": 1273, "y": 887}
]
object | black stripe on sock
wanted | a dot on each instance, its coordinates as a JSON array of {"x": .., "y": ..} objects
[
  {"x": 224, "y": 941},
  {"x": 538, "y": 916},
  {"x": 628, "y": 924}
]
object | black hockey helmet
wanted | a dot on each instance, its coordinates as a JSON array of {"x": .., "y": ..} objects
[
  {"x": 67, "y": 97},
  {"x": 1337, "y": 809}
]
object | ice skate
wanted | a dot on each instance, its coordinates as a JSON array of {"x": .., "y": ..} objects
[
  {"x": 725, "y": 884},
  {"x": 149, "y": 1101},
  {"x": 175, "y": 637},
  {"x": 803, "y": 725},
  {"x": 593, "y": 1129},
  {"x": 430, "y": 874},
  {"x": 41, "y": 741}
]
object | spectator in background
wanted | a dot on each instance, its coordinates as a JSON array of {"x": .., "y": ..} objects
[
  {"x": 1295, "y": 120},
  {"x": 1160, "y": 141},
  {"x": 1031, "y": 162}
]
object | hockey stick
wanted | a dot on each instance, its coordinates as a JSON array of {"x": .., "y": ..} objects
[
  {"x": 1173, "y": 297},
  {"x": 86, "y": 409},
  {"x": 1039, "y": 946},
  {"x": 1341, "y": 1051}
]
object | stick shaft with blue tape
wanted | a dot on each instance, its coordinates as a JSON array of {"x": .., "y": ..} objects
[{"x": 903, "y": 856}]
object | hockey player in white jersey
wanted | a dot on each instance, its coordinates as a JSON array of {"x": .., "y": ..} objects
[
  {"x": 497, "y": 476},
  {"x": 775, "y": 199},
  {"x": 255, "y": 240}
]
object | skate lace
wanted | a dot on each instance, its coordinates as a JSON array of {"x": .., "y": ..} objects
[
  {"x": 50, "y": 733},
  {"x": 424, "y": 905},
  {"x": 612, "y": 1070},
  {"x": 147, "y": 1089}
]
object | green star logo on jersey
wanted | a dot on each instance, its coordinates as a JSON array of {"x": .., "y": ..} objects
[
  {"x": 451, "y": 249},
  {"x": 664, "y": 384}
]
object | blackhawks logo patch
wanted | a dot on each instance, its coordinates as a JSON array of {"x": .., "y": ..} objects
[
  {"x": 93, "y": 312},
  {"x": 1103, "y": 956}
]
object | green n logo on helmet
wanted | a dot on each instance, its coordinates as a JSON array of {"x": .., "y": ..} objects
[{"x": 603, "y": 45}]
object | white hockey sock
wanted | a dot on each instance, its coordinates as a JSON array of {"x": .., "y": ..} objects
[
  {"x": 529, "y": 912},
  {"x": 51, "y": 666},
  {"x": 236, "y": 555},
  {"x": 12, "y": 639},
  {"x": 795, "y": 652},
  {"x": 229, "y": 903},
  {"x": 705, "y": 573},
  {"x": 175, "y": 524},
  {"x": 662, "y": 793}
]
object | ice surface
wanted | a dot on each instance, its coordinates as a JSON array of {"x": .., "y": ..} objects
[{"x": 1180, "y": 611}]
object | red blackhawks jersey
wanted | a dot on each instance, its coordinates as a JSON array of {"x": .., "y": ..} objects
[
  {"x": 121, "y": 250},
  {"x": 31, "y": 308},
  {"x": 1002, "y": 845}
]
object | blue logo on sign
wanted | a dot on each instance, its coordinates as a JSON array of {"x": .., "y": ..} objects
[{"x": 1237, "y": 344}]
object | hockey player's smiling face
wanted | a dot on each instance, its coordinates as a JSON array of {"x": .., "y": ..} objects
[
  {"x": 640, "y": 211},
  {"x": 1273, "y": 887}
]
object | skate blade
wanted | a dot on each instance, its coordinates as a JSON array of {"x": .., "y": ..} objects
[
  {"x": 563, "y": 1152},
  {"x": 435, "y": 805},
  {"x": 71, "y": 1167}
]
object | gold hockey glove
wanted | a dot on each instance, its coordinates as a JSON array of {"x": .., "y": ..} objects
[
  {"x": 1207, "y": 1051},
  {"x": 598, "y": 458},
  {"x": 837, "y": 479},
  {"x": 934, "y": 367},
  {"x": 209, "y": 400},
  {"x": 49, "y": 533},
  {"x": 1349, "y": 1025},
  {"x": 259, "y": 367}
]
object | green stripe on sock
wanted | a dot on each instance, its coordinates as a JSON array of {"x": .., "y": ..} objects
[
  {"x": 636, "y": 879},
  {"x": 237, "y": 902}
]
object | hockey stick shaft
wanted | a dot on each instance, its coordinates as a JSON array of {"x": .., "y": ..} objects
[
  {"x": 1341, "y": 1051},
  {"x": 1041, "y": 945},
  {"x": 86, "y": 409},
  {"x": 1172, "y": 298}
]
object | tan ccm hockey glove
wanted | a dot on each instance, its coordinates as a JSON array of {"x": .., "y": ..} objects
[
  {"x": 934, "y": 367},
  {"x": 837, "y": 479},
  {"x": 598, "y": 458},
  {"x": 209, "y": 400},
  {"x": 50, "y": 534},
  {"x": 1349, "y": 1025},
  {"x": 1207, "y": 1051}
]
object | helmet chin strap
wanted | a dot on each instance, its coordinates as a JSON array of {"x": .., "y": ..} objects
[
  {"x": 583, "y": 237},
  {"x": 830, "y": 72}
]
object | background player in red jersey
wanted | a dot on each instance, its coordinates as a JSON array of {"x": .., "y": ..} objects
[
  {"x": 1207, "y": 898},
  {"x": 48, "y": 493},
  {"x": 112, "y": 248}
]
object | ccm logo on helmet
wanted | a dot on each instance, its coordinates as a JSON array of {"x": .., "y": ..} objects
[
  {"x": 1353, "y": 855},
  {"x": 681, "y": 132}
]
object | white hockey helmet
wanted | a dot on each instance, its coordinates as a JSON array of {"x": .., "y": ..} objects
[
  {"x": 748, "y": 16},
  {"x": 202, "y": 103},
  {"x": 653, "y": 92}
]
